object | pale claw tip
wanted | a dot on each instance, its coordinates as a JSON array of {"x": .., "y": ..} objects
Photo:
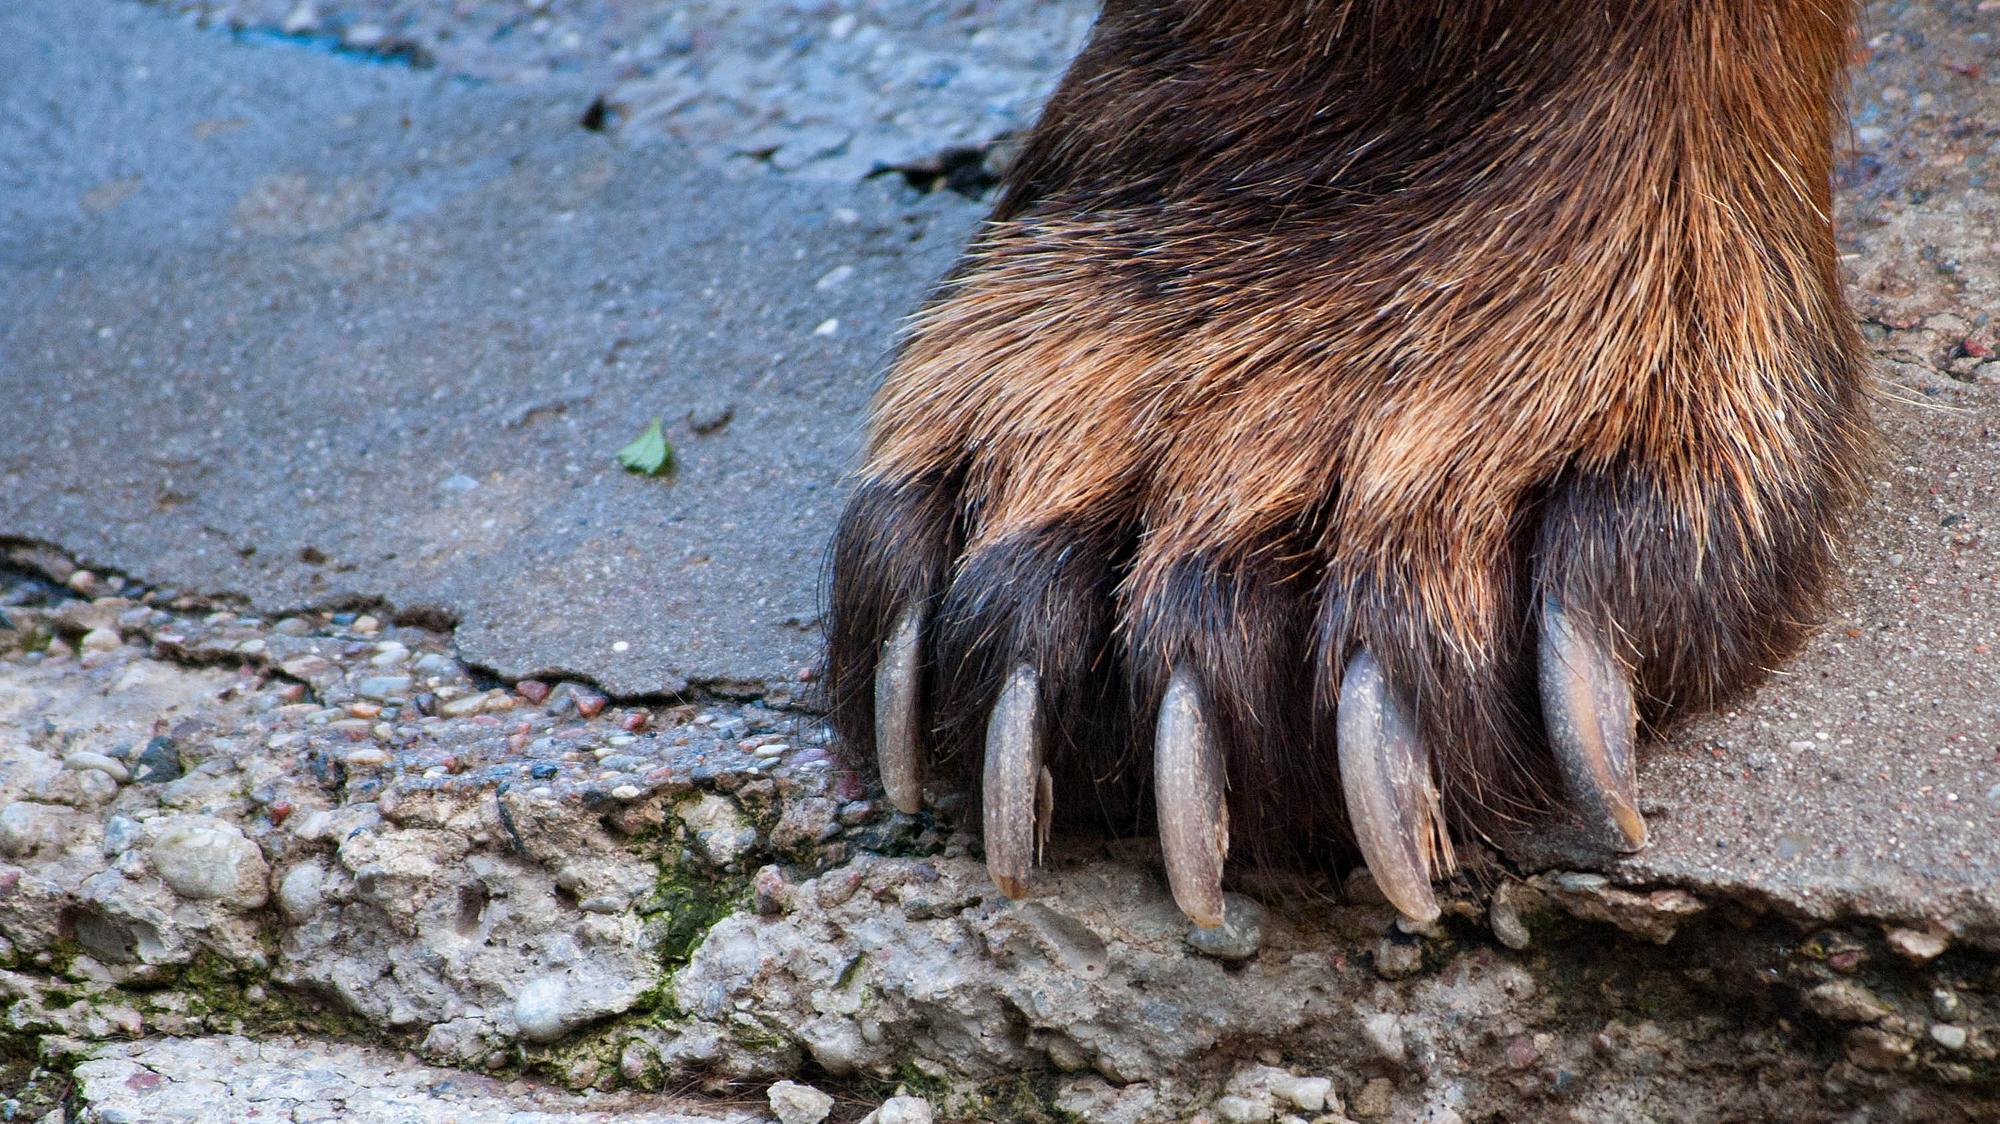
[{"x": 897, "y": 679}]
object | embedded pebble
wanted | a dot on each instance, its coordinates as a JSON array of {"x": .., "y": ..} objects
[
  {"x": 793, "y": 1103},
  {"x": 1238, "y": 937},
  {"x": 365, "y": 758},
  {"x": 1845, "y": 1001},
  {"x": 901, "y": 1110},
  {"x": 159, "y": 762},
  {"x": 102, "y": 640},
  {"x": 300, "y": 891},
  {"x": 541, "y": 1010},
  {"x": 1948, "y": 1036},
  {"x": 26, "y": 827},
  {"x": 383, "y": 687},
  {"x": 1375, "y": 1099},
  {"x": 1384, "y": 1031},
  {"x": 1397, "y": 959},
  {"x": 120, "y": 833},
  {"x": 1308, "y": 1094},
  {"x": 1243, "y": 1110},
  {"x": 204, "y": 858},
  {"x": 1504, "y": 917},
  {"x": 1918, "y": 946}
]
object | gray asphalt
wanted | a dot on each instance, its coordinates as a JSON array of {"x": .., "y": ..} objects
[{"x": 302, "y": 331}]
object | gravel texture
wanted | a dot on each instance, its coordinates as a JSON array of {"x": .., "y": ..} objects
[
  {"x": 328, "y": 828},
  {"x": 823, "y": 90},
  {"x": 229, "y": 1077}
]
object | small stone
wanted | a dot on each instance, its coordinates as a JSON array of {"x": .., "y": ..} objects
[
  {"x": 625, "y": 792},
  {"x": 1845, "y": 1001},
  {"x": 902, "y": 1110},
  {"x": 1948, "y": 1036},
  {"x": 542, "y": 1009},
  {"x": 1946, "y": 1004},
  {"x": 102, "y": 640},
  {"x": 120, "y": 833},
  {"x": 717, "y": 826},
  {"x": 366, "y": 624},
  {"x": 1375, "y": 1098},
  {"x": 1875, "y": 1049},
  {"x": 300, "y": 891},
  {"x": 709, "y": 418},
  {"x": 1384, "y": 1031},
  {"x": 462, "y": 706},
  {"x": 603, "y": 903},
  {"x": 534, "y": 690},
  {"x": 1238, "y": 937},
  {"x": 1307, "y": 1094},
  {"x": 1504, "y": 916},
  {"x": 381, "y": 688},
  {"x": 1919, "y": 946},
  {"x": 589, "y": 703},
  {"x": 203, "y": 858},
  {"x": 158, "y": 763},
  {"x": 1398, "y": 959},
  {"x": 110, "y": 766},
  {"x": 307, "y": 668},
  {"x": 1243, "y": 1110},
  {"x": 768, "y": 892},
  {"x": 292, "y": 626},
  {"x": 793, "y": 1103},
  {"x": 82, "y": 581},
  {"x": 366, "y": 758},
  {"x": 26, "y": 827}
]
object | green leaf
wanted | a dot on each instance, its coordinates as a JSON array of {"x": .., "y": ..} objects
[{"x": 650, "y": 454}]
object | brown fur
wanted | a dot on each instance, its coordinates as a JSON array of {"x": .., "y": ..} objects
[{"x": 1312, "y": 324}]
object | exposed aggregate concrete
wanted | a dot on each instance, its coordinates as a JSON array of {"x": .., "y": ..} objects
[{"x": 325, "y": 828}]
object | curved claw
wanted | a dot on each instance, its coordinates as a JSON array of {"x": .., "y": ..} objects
[
  {"x": 1391, "y": 800},
  {"x": 1187, "y": 789},
  {"x": 1587, "y": 707},
  {"x": 896, "y": 684},
  {"x": 1018, "y": 800}
]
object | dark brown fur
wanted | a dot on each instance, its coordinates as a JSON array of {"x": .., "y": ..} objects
[{"x": 1310, "y": 324}]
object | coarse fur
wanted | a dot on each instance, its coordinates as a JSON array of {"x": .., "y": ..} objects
[{"x": 1305, "y": 326}]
